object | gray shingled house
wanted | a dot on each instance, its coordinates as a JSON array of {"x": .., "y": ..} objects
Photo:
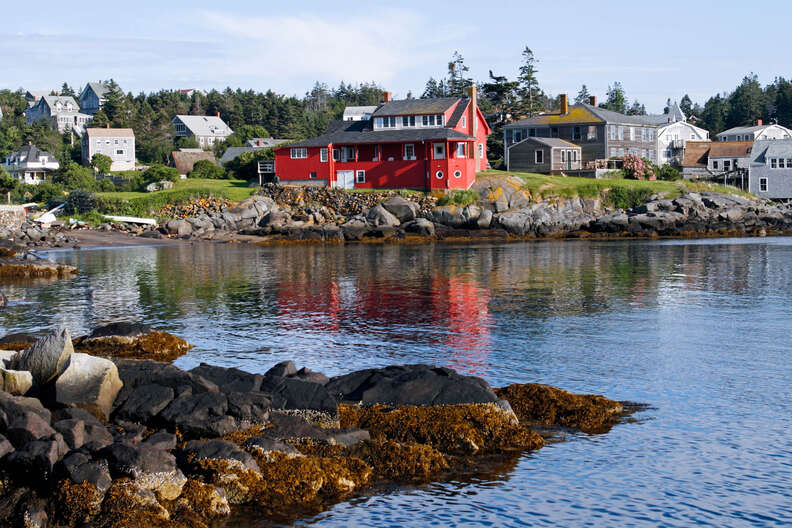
[
  {"x": 93, "y": 97},
  {"x": 544, "y": 155},
  {"x": 770, "y": 169}
]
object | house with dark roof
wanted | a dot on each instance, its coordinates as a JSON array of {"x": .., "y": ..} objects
[
  {"x": 544, "y": 155},
  {"x": 92, "y": 96},
  {"x": 770, "y": 169},
  {"x": 252, "y": 145},
  {"x": 601, "y": 134},
  {"x": 61, "y": 112},
  {"x": 30, "y": 164},
  {"x": 413, "y": 143}
]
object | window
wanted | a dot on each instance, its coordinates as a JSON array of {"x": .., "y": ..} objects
[
  {"x": 457, "y": 174},
  {"x": 119, "y": 152},
  {"x": 439, "y": 150},
  {"x": 789, "y": 163},
  {"x": 439, "y": 175},
  {"x": 651, "y": 154},
  {"x": 431, "y": 120},
  {"x": 643, "y": 153},
  {"x": 762, "y": 184},
  {"x": 312, "y": 175},
  {"x": 516, "y": 136},
  {"x": 643, "y": 134},
  {"x": 563, "y": 156},
  {"x": 632, "y": 133},
  {"x": 376, "y": 153},
  {"x": 715, "y": 164},
  {"x": 554, "y": 132},
  {"x": 773, "y": 163},
  {"x": 460, "y": 150},
  {"x": 481, "y": 150},
  {"x": 539, "y": 157},
  {"x": 299, "y": 153},
  {"x": 612, "y": 132},
  {"x": 621, "y": 152},
  {"x": 360, "y": 176},
  {"x": 531, "y": 132},
  {"x": 116, "y": 142},
  {"x": 576, "y": 135},
  {"x": 440, "y": 120},
  {"x": 574, "y": 155},
  {"x": 621, "y": 133},
  {"x": 323, "y": 155},
  {"x": 464, "y": 121},
  {"x": 389, "y": 122},
  {"x": 378, "y": 122},
  {"x": 613, "y": 152},
  {"x": 336, "y": 154},
  {"x": 592, "y": 133},
  {"x": 425, "y": 120},
  {"x": 408, "y": 121},
  {"x": 409, "y": 152},
  {"x": 726, "y": 165}
]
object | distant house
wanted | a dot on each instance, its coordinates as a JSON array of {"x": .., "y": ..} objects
[
  {"x": 672, "y": 138},
  {"x": 117, "y": 143},
  {"x": 770, "y": 169},
  {"x": 31, "y": 96},
  {"x": 601, "y": 133},
  {"x": 544, "y": 155},
  {"x": 358, "y": 113},
  {"x": 30, "y": 164},
  {"x": 93, "y": 96},
  {"x": 207, "y": 130},
  {"x": 755, "y": 133},
  {"x": 61, "y": 112},
  {"x": 189, "y": 92},
  {"x": 425, "y": 144},
  {"x": 184, "y": 159},
  {"x": 254, "y": 144},
  {"x": 705, "y": 159}
]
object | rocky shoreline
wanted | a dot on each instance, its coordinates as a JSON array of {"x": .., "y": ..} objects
[{"x": 112, "y": 439}]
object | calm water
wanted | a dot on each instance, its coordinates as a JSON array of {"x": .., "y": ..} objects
[{"x": 698, "y": 330}]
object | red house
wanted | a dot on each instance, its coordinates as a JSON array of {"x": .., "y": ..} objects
[{"x": 413, "y": 143}]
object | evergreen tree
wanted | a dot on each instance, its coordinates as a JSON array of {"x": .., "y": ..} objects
[
  {"x": 530, "y": 93},
  {"x": 458, "y": 84},
  {"x": 615, "y": 100},
  {"x": 713, "y": 116},
  {"x": 583, "y": 95},
  {"x": 433, "y": 89},
  {"x": 686, "y": 105},
  {"x": 66, "y": 90},
  {"x": 501, "y": 94},
  {"x": 746, "y": 103},
  {"x": 100, "y": 119},
  {"x": 636, "y": 109},
  {"x": 783, "y": 102}
]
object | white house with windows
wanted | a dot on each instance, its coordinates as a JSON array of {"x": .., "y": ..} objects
[
  {"x": 60, "y": 112},
  {"x": 755, "y": 133},
  {"x": 358, "y": 113},
  {"x": 671, "y": 140},
  {"x": 207, "y": 130},
  {"x": 30, "y": 164},
  {"x": 116, "y": 143}
]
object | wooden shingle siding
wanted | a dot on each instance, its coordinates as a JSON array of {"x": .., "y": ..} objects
[{"x": 522, "y": 158}]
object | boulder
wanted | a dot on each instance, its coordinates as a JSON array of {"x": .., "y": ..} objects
[
  {"x": 145, "y": 402},
  {"x": 485, "y": 219},
  {"x": 449, "y": 215},
  {"x": 309, "y": 400},
  {"x": 420, "y": 226},
  {"x": 72, "y": 431},
  {"x": 96, "y": 437},
  {"x": 197, "y": 450},
  {"x": 90, "y": 383},
  {"x": 80, "y": 467},
  {"x": 282, "y": 369},
  {"x": 404, "y": 210},
  {"x": 34, "y": 462},
  {"x": 305, "y": 374},
  {"x": 229, "y": 379},
  {"x": 178, "y": 227},
  {"x": 28, "y": 427},
  {"x": 16, "y": 382},
  {"x": 410, "y": 385},
  {"x": 378, "y": 216},
  {"x": 200, "y": 415},
  {"x": 249, "y": 408},
  {"x": 12, "y": 407},
  {"x": 151, "y": 468},
  {"x": 162, "y": 440},
  {"x": 47, "y": 358},
  {"x": 135, "y": 372},
  {"x": 121, "y": 329}
]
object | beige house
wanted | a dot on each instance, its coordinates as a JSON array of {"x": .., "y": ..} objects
[{"x": 117, "y": 143}]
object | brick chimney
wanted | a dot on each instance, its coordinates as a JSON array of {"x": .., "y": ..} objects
[
  {"x": 473, "y": 122},
  {"x": 258, "y": 142},
  {"x": 107, "y": 125},
  {"x": 758, "y": 122},
  {"x": 593, "y": 100},
  {"x": 564, "y": 104},
  {"x": 387, "y": 97},
  {"x": 218, "y": 114}
]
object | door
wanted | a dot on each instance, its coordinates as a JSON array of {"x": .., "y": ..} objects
[
  {"x": 569, "y": 160},
  {"x": 345, "y": 179}
]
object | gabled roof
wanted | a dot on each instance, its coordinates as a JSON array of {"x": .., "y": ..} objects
[
  {"x": 586, "y": 114},
  {"x": 437, "y": 105},
  {"x": 205, "y": 125},
  {"x": 730, "y": 149},
  {"x": 459, "y": 111},
  {"x": 31, "y": 152},
  {"x": 110, "y": 132},
  {"x": 750, "y": 129},
  {"x": 98, "y": 88},
  {"x": 662, "y": 128},
  {"x": 696, "y": 153},
  {"x": 357, "y": 132},
  {"x": 547, "y": 142},
  {"x": 771, "y": 148},
  {"x": 51, "y": 100}
]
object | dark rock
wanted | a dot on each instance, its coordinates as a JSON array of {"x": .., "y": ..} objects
[
  {"x": 47, "y": 358},
  {"x": 348, "y": 437},
  {"x": 96, "y": 437},
  {"x": 80, "y": 467},
  {"x": 28, "y": 427},
  {"x": 135, "y": 372},
  {"x": 75, "y": 413},
  {"x": 378, "y": 216},
  {"x": 73, "y": 432},
  {"x": 5, "y": 446},
  {"x": 145, "y": 402},
  {"x": 122, "y": 329},
  {"x": 162, "y": 440},
  {"x": 410, "y": 385},
  {"x": 249, "y": 408},
  {"x": 196, "y": 450},
  {"x": 312, "y": 400},
  {"x": 282, "y": 369},
  {"x": 34, "y": 461},
  {"x": 128, "y": 432},
  {"x": 150, "y": 234},
  {"x": 128, "y": 460},
  {"x": 265, "y": 444},
  {"x": 18, "y": 338},
  {"x": 420, "y": 226},
  {"x": 229, "y": 379},
  {"x": 402, "y": 209},
  {"x": 305, "y": 374},
  {"x": 449, "y": 215},
  {"x": 202, "y": 415}
]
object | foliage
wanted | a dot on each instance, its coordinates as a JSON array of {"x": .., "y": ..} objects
[
  {"x": 583, "y": 95},
  {"x": 245, "y": 166},
  {"x": 207, "y": 170},
  {"x": 101, "y": 163},
  {"x": 187, "y": 142},
  {"x": 7, "y": 183},
  {"x": 528, "y": 89},
  {"x": 44, "y": 192},
  {"x": 73, "y": 176},
  {"x": 615, "y": 99},
  {"x": 459, "y": 198},
  {"x": 458, "y": 84},
  {"x": 626, "y": 197},
  {"x": 80, "y": 202},
  {"x": 158, "y": 173},
  {"x": 668, "y": 173},
  {"x": 92, "y": 217},
  {"x": 637, "y": 168}
]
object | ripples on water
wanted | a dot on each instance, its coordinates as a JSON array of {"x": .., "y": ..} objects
[{"x": 699, "y": 330}]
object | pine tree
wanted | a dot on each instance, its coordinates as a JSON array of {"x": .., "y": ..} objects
[
  {"x": 783, "y": 102},
  {"x": 458, "y": 84},
  {"x": 746, "y": 103},
  {"x": 713, "y": 116},
  {"x": 66, "y": 90},
  {"x": 501, "y": 94},
  {"x": 686, "y": 105},
  {"x": 433, "y": 89},
  {"x": 100, "y": 119},
  {"x": 636, "y": 109},
  {"x": 583, "y": 95},
  {"x": 615, "y": 100},
  {"x": 530, "y": 93}
]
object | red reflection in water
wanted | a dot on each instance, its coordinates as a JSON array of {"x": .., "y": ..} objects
[{"x": 309, "y": 305}]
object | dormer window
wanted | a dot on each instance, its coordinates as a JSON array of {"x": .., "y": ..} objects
[
  {"x": 464, "y": 121},
  {"x": 408, "y": 121}
]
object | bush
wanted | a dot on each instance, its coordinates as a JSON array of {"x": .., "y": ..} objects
[
  {"x": 73, "y": 177},
  {"x": 245, "y": 166},
  {"x": 668, "y": 173},
  {"x": 627, "y": 197},
  {"x": 80, "y": 202},
  {"x": 636, "y": 168},
  {"x": 158, "y": 173},
  {"x": 459, "y": 198},
  {"x": 151, "y": 203},
  {"x": 205, "y": 169},
  {"x": 187, "y": 142},
  {"x": 101, "y": 163}
]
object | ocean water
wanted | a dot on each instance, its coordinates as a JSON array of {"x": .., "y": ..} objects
[{"x": 700, "y": 331}]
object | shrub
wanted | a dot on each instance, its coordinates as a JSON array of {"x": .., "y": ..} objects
[
  {"x": 459, "y": 198},
  {"x": 158, "y": 173},
  {"x": 80, "y": 202},
  {"x": 151, "y": 203},
  {"x": 187, "y": 142},
  {"x": 627, "y": 197},
  {"x": 638, "y": 169},
  {"x": 668, "y": 173},
  {"x": 73, "y": 176},
  {"x": 101, "y": 163},
  {"x": 207, "y": 170},
  {"x": 43, "y": 192}
]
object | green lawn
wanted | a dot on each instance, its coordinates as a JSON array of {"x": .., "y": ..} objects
[
  {"x": 545, "y": 186},
  {"x": 236, "y": 190}
]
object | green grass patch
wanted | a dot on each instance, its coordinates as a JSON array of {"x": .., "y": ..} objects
[
  {"x": 146, "y": 204},
  {"x": 459, "y": 198},
  {"x": 93, "y": 218}
]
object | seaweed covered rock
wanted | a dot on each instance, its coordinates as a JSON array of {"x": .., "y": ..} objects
[
  {"x": 464, "y": 429},
  {"x": 17, "y": 341},
  {"x": 410, "y": 385},
  {"x": 309, "y": 400},
  {"x": 27, "y": 265},
  {"x": 132, "y": 340},
  {"x": 546, "y": 405}
]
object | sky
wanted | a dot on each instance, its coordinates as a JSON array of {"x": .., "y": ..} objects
[{"x": 657, "y": 50}]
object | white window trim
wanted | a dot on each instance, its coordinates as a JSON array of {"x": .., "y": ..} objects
[
  {"x": 464, "y": 121},
  {"x": 462, "y": 145},
  {"x": 360, "y": 176},
  {"x": 404, "y": 152},
  {"x": 539, "y": 153},
  {"x": 298, "y": 153},
  {"x": 323, "y": 155},
  {"x": 481, "y": 150},
  {"x": 435, "y": 154},
  {"x": 763, "y": 184}
]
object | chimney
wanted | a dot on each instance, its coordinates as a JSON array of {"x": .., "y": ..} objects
[
  {"x": 564, "y": 104},
  {"x": 473, "y": 122},
  {"x": 593, "y": 100},
  {"x": 758, "y": 122},
  {"x": 218, "y": 114},
  {"x": 30, "y": 143},
  {"x": 387, "y": 97},
  {"x": 107, "y": 125},
  {"x": 258, "y": 142}
]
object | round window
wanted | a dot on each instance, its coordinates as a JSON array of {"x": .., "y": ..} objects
[
  {"x": 457, "y": 174},
  {"x": 439, "y": 175}
]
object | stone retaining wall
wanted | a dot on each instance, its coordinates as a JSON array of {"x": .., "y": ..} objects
[{"x": 11, "y": 216}]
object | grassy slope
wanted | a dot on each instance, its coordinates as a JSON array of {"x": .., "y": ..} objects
[
  {"x": 236, "y": 190},
  {"x": 553, "y": 186}
]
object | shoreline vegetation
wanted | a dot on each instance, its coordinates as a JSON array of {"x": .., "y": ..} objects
[{"x": 100, "y": 432}]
